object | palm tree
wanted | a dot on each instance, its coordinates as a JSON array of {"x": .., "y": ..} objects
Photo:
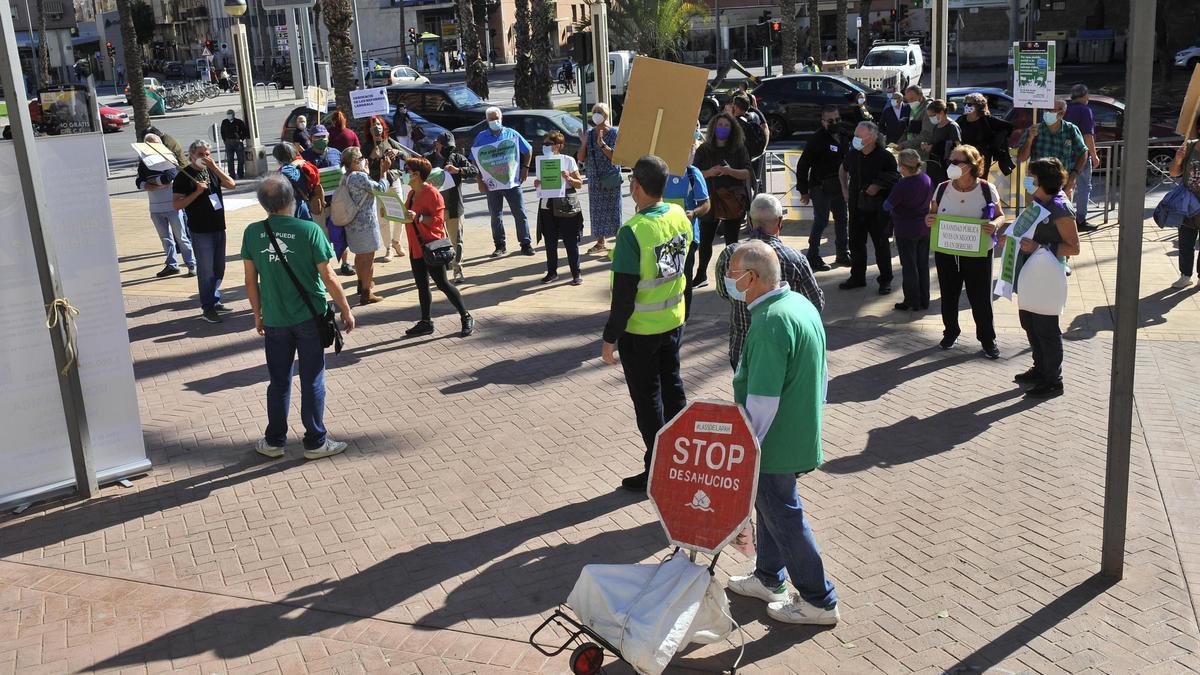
[
  {"x": 842, "y": 48},
  {"x": 43, "y": 46},
  {"x": 787, "y": 30},
  {"x": 544, "y": 36},
  {"x": 338, "y": 16},
  {"x": 523, "y": 73},
  {"x": 316, "y": 28},
  {"x": 814, "y": 29},
  {"x": 477, "y": 78},
  {"x": 656, "y": 28},
  {"x": 132, "y": 52}
]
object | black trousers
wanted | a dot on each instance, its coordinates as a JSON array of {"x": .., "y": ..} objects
[
  {"x": 1045, "y": 340},
  {"x": 708, "y": 233},
  {"x": 954, "y": 272},
  {"x": 567, "y": 231},
  {"x": 421, "y": 275},
  {"x": 651, "y": 364},
  {"x": 689, "y": 272},
  {"x": 878, "y": 226}
]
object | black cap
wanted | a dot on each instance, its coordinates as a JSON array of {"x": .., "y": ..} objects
[{"x": 446, "y": 139}]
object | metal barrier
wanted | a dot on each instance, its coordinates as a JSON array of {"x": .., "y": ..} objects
[{"x": 270, "y": 91}]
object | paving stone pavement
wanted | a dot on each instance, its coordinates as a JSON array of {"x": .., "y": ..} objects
[{"x": 960, "y": 523}]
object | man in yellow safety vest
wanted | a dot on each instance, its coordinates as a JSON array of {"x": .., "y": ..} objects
[{"x": 645, "y": 323}]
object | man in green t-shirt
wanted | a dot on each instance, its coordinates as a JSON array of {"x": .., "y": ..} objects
[
  {"x": 286, "y": 318},
  {"x": 780, "y": 381}
]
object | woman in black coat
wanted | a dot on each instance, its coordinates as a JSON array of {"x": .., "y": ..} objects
[{"x": 988, "y": 134}]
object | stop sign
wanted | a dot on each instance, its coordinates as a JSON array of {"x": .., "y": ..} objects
[{"x": 703, "y": 476}]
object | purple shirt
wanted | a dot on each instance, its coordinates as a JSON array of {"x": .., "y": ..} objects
[
  {"x": 1081, "y": 115},
  {"x": 909, "y": 204}
]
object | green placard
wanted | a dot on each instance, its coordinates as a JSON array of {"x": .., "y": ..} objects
[
  {"x": 956, "y": 235},
  {"x": 331, "y": 177},
  {"x": 550, "y": 174}
]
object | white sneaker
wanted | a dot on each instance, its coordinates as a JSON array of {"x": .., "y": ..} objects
[
  {"x": 797, "y": 610},
  {"x": 329, "y": 449},
  {"x": 751, "y": 587},
  {"x": 267, "y": 450},
  {"x": 1182, "y": 282}
]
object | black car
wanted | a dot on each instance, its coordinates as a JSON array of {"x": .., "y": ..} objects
[
  {"x": 422, "y": 146},
  {"x": 792, "y": 103},
  {"x": 533, "y": 125},
  {"x": 450, "y": 105}
]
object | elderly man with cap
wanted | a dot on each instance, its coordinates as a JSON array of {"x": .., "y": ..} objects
[
  {"x": 235, "y": 133},
  {"x": 446, "y": 157},
  {"x": 780, "y": 381}
]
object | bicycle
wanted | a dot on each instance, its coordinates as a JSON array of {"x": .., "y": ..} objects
[{"x": 565, "y": 82}]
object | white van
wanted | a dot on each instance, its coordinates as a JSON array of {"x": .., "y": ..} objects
[{"x": 620, "y": 65}]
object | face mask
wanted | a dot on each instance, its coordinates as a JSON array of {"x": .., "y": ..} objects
[
  {"x": 1049, "y": 118},
  {"x": 377, "y": 130},
  {"x": 934, "y": 120},
  {"x": 198, "y": 163},
  {"x": 597, "y": 118},
  {"x": 723, "y": 133},
  {"x": 495, "y": 125},
  {"x": 954, "y": 172},
  {"x": 302, "y": 125},
  {"x": 732, "y": 289},
  {"x": 548, "y": 150},
  {"x": 897, "y": 103},
  {"x": 405, "y": 178},
  {"x": 862, "y": 100},
  {"x": 446, "y": 152},
  {"x": 320, "y": 144},
  {"x": 857, "y": 143},
  {"x": 1029, "y": 184},
  {"x": 969, "y": 109}
]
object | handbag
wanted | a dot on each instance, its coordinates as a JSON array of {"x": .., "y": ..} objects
[
  {"x": 566, "y": 207},
  {"x": 343, "y": 209},
  {"x": 731, "y": 203},
  {"x": 436, "y": 253},
  {"x": 326, "y": 323}
]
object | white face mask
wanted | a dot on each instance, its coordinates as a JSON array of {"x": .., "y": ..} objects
[
  {"x": 897, "y": 103},
  {"x": 548, "y": 150},
  {"x": 597, "y": 118},
  {"x": 969, "y": 109},
  {"x": 302, "y": 125},
  {"x": 495, "y": 125},
  {"x": 954, "y": 172},
  {"x": 1050, "y": 118},
  {"x": 862, "y": 100}
]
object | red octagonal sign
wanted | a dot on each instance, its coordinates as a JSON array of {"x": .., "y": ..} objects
[{"x": 703, "y": 476}]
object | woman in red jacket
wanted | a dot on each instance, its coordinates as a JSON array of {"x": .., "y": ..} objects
[
  {"x": 340, "y": 137},
  {"x": 428, "y": 224}
]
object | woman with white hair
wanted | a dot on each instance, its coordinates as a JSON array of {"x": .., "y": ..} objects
[
  {"x": 362, "y": 234},
  {"x": 604, "y": 177}
]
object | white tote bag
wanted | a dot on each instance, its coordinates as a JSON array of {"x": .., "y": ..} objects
[{"x": 1042, "y": 286}]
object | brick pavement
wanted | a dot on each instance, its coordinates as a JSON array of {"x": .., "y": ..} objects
[{"x": 960, "y": 523}]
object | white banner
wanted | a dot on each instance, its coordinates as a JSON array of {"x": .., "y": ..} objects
[
  {"x": 82, "y": 231},
  {"x": 367, "y": 102}
]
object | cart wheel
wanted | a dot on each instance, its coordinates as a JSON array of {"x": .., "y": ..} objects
[{"x": 587, "y": 659}]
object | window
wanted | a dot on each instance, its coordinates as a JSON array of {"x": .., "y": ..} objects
[
  {"x": 828, "y": 87},
  {"x": 1106, "y": 116},
  {"x": 412, "y": 99},
  {"x": 464, "y": 97},
  {"x": 436, "y": 101}
]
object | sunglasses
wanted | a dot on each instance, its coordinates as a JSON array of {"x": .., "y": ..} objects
[
  {"x": 549, "y": 144},
  {"x": 956, "y": 162}
]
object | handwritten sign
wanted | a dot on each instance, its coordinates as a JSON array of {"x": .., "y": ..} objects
[
  {"x": 317, "y": 99},
  {"x": 156, "y": 156},
  {"x": 498, "y": 164},
  {"x": 960, "y": 236},
  {"x": 550, "y": 178},
  {"x": 368, "y": 102}
]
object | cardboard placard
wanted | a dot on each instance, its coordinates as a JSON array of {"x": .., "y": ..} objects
[
  {"x": 331, "y": 178},
  {"x": 156, "y": 156},
  {"x": 393, "y": 207},
  {"x": 367, "y": 102},
  {"x": 1191, "y": 107},
  {"x": 661, "y": 108},
  {"x": 317, "y": 99},
  {"x": 499, "y": 164}
]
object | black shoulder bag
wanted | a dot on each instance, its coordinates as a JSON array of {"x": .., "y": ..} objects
[{"x": 326, "y": 323}]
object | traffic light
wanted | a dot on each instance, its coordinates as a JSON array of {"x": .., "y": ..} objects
[
  {"x": 775, "y": 27},
  {"x": 412, "y": 36},
  {"x": 112, "y": 51}
]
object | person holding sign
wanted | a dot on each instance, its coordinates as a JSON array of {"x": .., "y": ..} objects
[
  {"x": 561, "y": 216},
  {"x": 1186, "y": 167},
  {"x": 502, "y": 156},
  {"x": 362, "y": 233},
  {"x": 197, "y": 190},
  {"x": 166, "y": 218},
  {"x": 1056, "y": 231},
  {"x": 329, "y": 166},
  {"x": 1056, "y": 137},
  {"x": 428, "y": 224},
  {"x": 973, "y": 206},
  {"x": 377, "y": 145},
  {"x": 460, "y": 170}
]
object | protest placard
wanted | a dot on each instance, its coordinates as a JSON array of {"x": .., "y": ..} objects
[
  {"x": 367, "y": 102},
  {"x": 961, "y": 236},
  {"x": 317, "y": 99},
  {"x": 661, "y": 107},
  {"x": 331, "y": 177},
  {"x": 393, "y": 207},
  {"x": 1033, "y": 74},
  {"x": 550, "y": 178},
  {"x": 156, "y": 156},
  {"x": 497, "y": 164}
]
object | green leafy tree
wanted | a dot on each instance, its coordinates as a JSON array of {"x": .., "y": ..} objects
[
  {"x": 814, "y": 29},
  {"x": 523, "y": 72},
  {"x": 543, "y": 25},
  {"x": 43, "y": 44},
  {"x": 656, "y": 28}
]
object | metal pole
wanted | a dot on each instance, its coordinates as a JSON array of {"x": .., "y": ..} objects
[
  {"x": 107, "y": 68},
  {"x": 310, "y": 63},
  {"x": 293, "y": 33},
  {"x": 249, "y": 111},
  {"x": 362, "y": 71},
  {"x": 1139, "y": 71},
  {"x": 940, "y": 51},
  {"x": 44, "y": 256},
  {"x": 717, "y": 15}
]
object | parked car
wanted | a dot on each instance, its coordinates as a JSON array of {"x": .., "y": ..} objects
[
  {"x": 998, "y": 100},
  {"x": 173, "y": 69},
  {"x": 113, "y": 119},
  {"x": 533, "y": 125},
  {"x": 792, "y": 103},
  {"x": 394, "y": 75},
  {"x": 1188, "y": 58},
  {"x": 422, "y": 146},
  {"x": 150, "y": 83},
  {"x": 450, "y": 105}
]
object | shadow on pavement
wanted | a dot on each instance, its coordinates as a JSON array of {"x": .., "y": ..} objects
[
  {"x": 779, "y": 638},
  {"x": 238, "y": 632},
  {"x": 872, "y": 382},
  {"x": 1152, "y": 311}
]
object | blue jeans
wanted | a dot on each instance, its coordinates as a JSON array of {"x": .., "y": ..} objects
[
  {"x": 283, "y": 344},
  {"x": 516, "y": 204},
  {"x": 825, "y": 203},
  {"x": 786, "y": 545},
  {"x": 1083, "y": 191},
  {"x": 235, "y": 159},
  {"x": 174, "y": 233},
  {"x": 210, "y": 266}
]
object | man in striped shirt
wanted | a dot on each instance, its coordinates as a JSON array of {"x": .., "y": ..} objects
[{"x": 766, "y": 217}]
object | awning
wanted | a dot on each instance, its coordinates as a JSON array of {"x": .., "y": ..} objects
[
  {"x": 25, "y": 40},
  {"x": 430, "y": 36}
]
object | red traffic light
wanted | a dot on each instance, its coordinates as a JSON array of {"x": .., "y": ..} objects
[
  {"x": 775, "y": 26},
  {"x": 108, "y": 44}
]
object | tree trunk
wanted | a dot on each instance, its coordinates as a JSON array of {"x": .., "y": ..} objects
[
  {"x": 787, "y": 30},
  {"x": 318, "y": 44},
  {"x": 43, "y": 47},
  {"x": 132, "y": 52},
  {"x": 477, "y": 79},
  {"x": 543, "y": 26},
  {"x": 815, "y": 48},
  {"x": 864, "y": 31},
  {"x": 338, "y": 17},
  {"x": 522, "y": 73},
  {"x": 843, "y": 9}
]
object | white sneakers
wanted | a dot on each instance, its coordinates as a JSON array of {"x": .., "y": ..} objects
[
  {"x": 780, "y": 605},
  {"x": 751, "y": 587},
  {"x": 1182, "y": 282},
  {"x": 329, "y": 449}
]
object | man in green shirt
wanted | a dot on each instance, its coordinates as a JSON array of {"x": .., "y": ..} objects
[
  {"x": 646, "y": 319},
  {"x": 780, "y": 381},
  {"x": 283, "y": 316}
]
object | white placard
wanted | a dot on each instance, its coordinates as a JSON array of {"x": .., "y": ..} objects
[
  {"x": 368, "y": 102},
  {"x": 30, "y": 407},
  {"x": 317, "y": 99}
]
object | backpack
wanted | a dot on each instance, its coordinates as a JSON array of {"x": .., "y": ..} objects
[
  {"x": 756, "y": 139},
  {"x": 343, "y": 209},
  {"x": 987, "y": 196}
]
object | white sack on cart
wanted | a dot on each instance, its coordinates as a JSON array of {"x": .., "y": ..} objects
[{"x": 649, "y": 612}]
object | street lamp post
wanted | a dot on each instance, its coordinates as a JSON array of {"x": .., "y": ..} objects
[{"x": 256, "y": 162}]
